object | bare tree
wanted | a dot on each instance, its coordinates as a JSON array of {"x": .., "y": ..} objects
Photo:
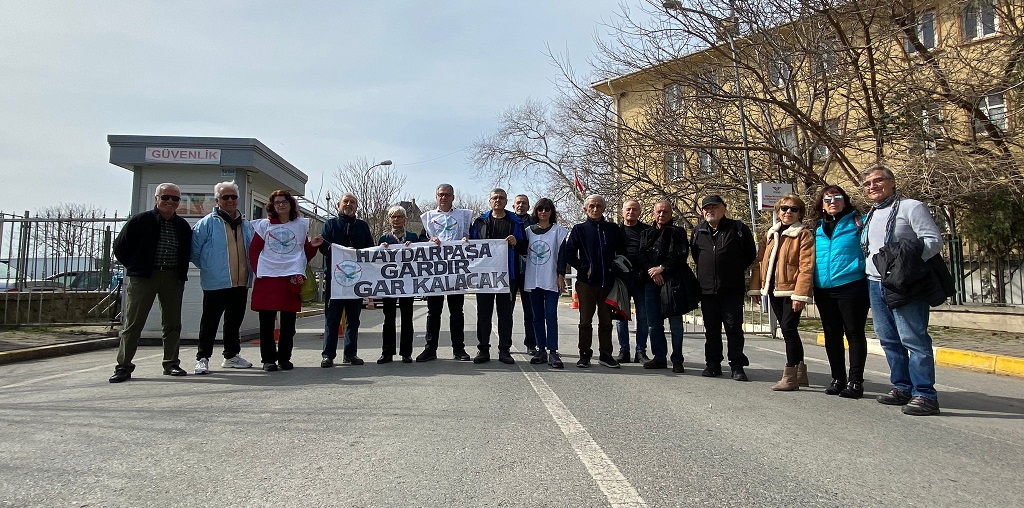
[
  {"x": 376, "y": 188},
  {"x": 68, "y": 235}
]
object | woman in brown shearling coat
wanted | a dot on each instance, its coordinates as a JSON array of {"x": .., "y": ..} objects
[{"x": 786, "y": 276}]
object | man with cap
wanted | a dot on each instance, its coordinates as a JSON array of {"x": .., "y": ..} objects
[{"x": 722, "y": 249}]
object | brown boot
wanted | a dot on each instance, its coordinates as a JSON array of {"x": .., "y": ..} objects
[
  {"x": 788, "y": 382},
  {"x": 801, "y": 375}
]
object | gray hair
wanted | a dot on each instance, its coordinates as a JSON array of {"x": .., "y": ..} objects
[
  {"x": 341, "y": 197},
  {"x": 596, "y": 197},
  {"x": 446, "y": 186},
  {"x": 399, "y": 210},
  {"x": 218, "y": 188},
  {"x": 664, "y": 202},
  {"x": 877, "y": 167},
  {"x": 166, "y": 185}
]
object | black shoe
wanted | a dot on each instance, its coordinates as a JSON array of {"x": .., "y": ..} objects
[
  {"x": 835, "y": 387},
  {"x": 430, "y": 354},
  {"x": 285, "y": 365},
  {"x": 655, "y": 364},
  {"x": 352, "y": 360},
  {"x": 895, "y": 397},
  {"x": 326, "y": 363},
  {"x": 608, "y": 360},
  {"x": 853, "y": 390},
  {"x": 531, "y": 350},
  {"x": 738, "y": 374},
  {"x": 460, "y": 355},
  {"x": 482, "y": 357},
  {"x": 921, "y": 406},
  {"x": 678, "y": 368},
  {"x": 555, "y": 360},
  {"x": 539, "y": 358},
  {"x": 584, "y": 361},
  {"x": 641, "y": 357},
  {"x": 175, "y": 371},
  {"x": 270, "y": 367},
  {"x": 120, "y": 376},
  {"x": 712, "y": 370},
  {"x": 506, "y": 357},
  {"x": 406, "y": 358},
  {"x": 385, "y": 359},
  {"x": 623, "y": 356}
]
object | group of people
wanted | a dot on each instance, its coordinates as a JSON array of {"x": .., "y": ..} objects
[{"x": 839, "y": 260}]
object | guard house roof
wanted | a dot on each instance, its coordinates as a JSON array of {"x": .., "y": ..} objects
[{"x": 129, "y": 152}]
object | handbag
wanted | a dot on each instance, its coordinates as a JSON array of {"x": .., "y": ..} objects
[
  {"x": 309, "y": 286},
  {"x": 680, "y": 295}
]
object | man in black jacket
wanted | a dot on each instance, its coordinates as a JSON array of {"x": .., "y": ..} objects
[
  {"x": 154, "y": 246},
  {"x": 591, "y": 248},
  {"x": 348, "y": 231},
  {"x": 632, "y": 233},
  {"x": 722, "y": 249}
]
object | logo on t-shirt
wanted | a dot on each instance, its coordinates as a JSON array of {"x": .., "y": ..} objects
[
  {"x": 539, "y": 252},
  {"x": 281, "y": 240},
  {"x": 347, "y": 273},
  {"x": 444, "y": 223}
]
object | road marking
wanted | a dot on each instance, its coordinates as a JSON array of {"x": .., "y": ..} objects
[
  {"x": 66, "y": 374},
  {"x": 610, "y": 480}
]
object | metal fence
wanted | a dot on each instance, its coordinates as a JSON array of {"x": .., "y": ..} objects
[{"x": 58, "y": 270}]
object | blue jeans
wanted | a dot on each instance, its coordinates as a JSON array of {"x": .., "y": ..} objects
[
  {"x": 545, "y": 318},
  {"x": 656, "y": 324},
  {"x": 903, "y": 334},
  {"x": 332, "y": 319},
  {"x": 636, "y": 293}
]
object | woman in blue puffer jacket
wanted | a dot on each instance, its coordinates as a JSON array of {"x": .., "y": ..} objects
[{"x": 841, "y": 289}]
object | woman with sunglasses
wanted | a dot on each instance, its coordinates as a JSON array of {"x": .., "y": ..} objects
[
  {"x": 397, "y": 237},
  {"x": 278, "y": 254},
  {"x": 786, "y": 277},
  {"x": 841, "y": 289},
  {"x": 542, "y": 280}
]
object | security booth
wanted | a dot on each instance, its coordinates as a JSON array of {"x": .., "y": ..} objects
[{"x": 195, "y": 165}]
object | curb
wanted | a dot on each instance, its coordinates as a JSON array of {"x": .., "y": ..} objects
[
  {"x": 963, "y": 359},
  {"x": 41, "y": 352}
]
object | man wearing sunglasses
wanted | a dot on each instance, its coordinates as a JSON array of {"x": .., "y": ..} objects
[
  {"x": 220, "y": 246},
  {"x": 154, "y": 247}
]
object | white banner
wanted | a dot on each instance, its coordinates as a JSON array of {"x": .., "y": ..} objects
[{"x": 421, "y": 269}]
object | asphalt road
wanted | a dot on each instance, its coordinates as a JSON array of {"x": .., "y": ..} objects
[{"x": 448, "y": 433}]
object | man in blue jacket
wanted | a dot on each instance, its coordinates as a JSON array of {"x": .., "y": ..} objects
[
  {"x": 591, "y": 248},
  {"x": 496, "y": 224},
  {"x": 220, "y": 248},
  {"x": 348, "y": 231}
]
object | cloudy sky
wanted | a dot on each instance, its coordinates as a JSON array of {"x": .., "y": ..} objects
[{"x": 320, "y": 83}]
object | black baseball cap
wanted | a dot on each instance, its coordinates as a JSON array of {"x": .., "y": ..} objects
[{"x": 713, "y": 199}]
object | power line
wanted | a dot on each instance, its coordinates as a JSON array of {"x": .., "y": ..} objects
[{"x": 436, "y": 158}]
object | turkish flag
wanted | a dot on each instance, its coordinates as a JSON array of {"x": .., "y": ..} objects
[{"x": 578, "y": 182}]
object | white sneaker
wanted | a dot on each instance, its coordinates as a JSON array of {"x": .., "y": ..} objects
[
  {"x": 203, "y": 366},
  {"x": 236, "y": 363}
]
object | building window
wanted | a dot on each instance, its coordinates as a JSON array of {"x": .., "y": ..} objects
[
  {"x": 706, "y": 85},
  {"x": 979, "y": 19},
  {"x": 825, "y": 62},
  {"x": 925, "y": 29},
  {"x": 675, "y": 167},
  {"x": 673, "y": 97},
  {"x": 994, "y": 108},
  {"x": 822, "y": 151},
  {"x": 930, "y": 121},
  {"x": 708, "y": 163},
  {"x": 779, "y": 71},
  {"x": 786, "y": 140}
]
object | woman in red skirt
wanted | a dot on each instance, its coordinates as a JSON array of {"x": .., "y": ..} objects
[{"x": 278, "y": 254}]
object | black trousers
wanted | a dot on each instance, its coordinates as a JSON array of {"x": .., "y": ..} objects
[
  {"x": 531, "y": 337},
  {"x": 839, "y": 317},
  {"x": 456, "y": 320},
  {"x": 485, "y": 303},
  {"x": 282, "y": 351},
  {"x": 404, "y": 305},
  {"x": 718, "y": 310},
  {"x": 230, "y": 303},
  {"x": 789, "y": 320}
]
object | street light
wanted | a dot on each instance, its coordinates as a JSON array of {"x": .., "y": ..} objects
[
  {"x": 385, "y": 162},
  {"x": 727, "y": 30}
]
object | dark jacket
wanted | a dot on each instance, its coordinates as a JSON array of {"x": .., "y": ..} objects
[
  {"x": 906, "y": 277},
  {"x": 481, "y": 230},
  {"x": 591, "y": 248},
  {"x": 135, "y": 245},
  {"x": 637, "y": 274},
  {"x": 668, "y": 247},
  {"x": 722, "y": 259},
  {"x": 347, "y": 232}
]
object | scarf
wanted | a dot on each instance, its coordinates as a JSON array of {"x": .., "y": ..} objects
[
  {"x": 893, "y": 200},
  {"x": 398, "y": 235}
]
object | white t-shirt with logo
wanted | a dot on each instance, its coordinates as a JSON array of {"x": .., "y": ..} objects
[
  {"x": 284, "y": 251},
  {"x": 449, "y": 226},
  {"x": 542, "y": 258}
]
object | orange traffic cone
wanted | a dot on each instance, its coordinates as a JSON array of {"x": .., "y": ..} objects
[
  {"x": 369, "y": 305},
  {"x": 575, "y": 298},
  {"x": 277, "y": 330}
]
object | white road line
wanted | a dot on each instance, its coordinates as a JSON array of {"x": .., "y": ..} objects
[
  {"x": 66, "y": 374},
  {"x": 613, "y": 484}
]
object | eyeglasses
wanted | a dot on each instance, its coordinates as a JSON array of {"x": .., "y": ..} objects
[
  {"x": 168, "y": 197},
  {"x": 877, "y": 182},
  {"x": 787, "y": 208},
  {"x": 227, "y": 197},
  {"x": 281, "y": 203},
  {"x": 444, "y": 194},
  {"x": 538, "y": 210},
  {"x": 397, "y": 217},
  {"x": 829, "y": 199}
]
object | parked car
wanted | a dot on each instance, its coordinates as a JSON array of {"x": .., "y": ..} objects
[
  {"x": 11, "y": 280},
  {"x": 85, "y": 280}
]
